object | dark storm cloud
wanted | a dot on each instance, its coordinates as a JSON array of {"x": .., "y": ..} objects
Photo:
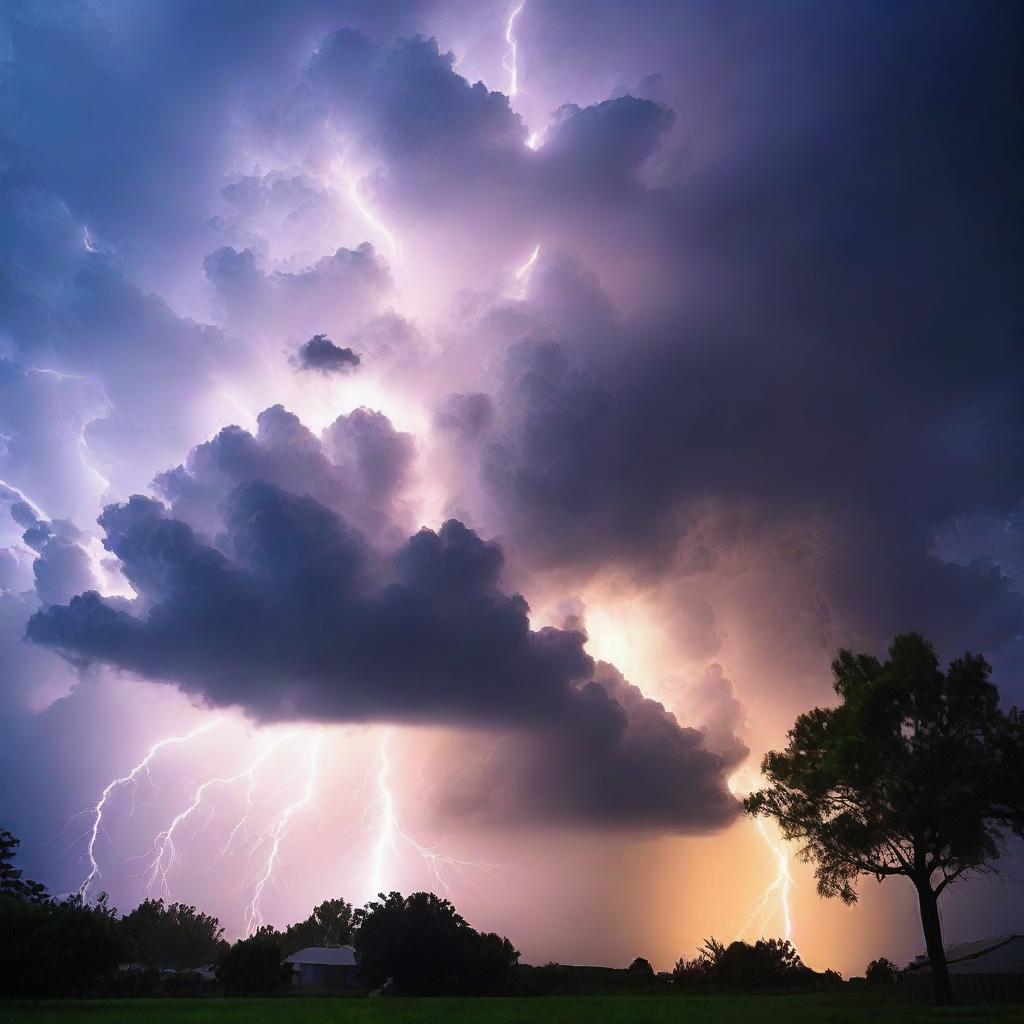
[
  {"x": 789, "y": 309},
  {"x": 620, "y": 761},
  {"x": 322, "y": 355},
  {"x": 409, "y": 102},
  {"x": 292, "y": 615},
  {"x": 841, "y": 346},
  {"x": 358, "y": 469}
]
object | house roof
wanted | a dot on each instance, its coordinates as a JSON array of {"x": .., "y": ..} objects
[
  {"x": 332, "y": 956},
  {"x": 1003, "y": 954}
]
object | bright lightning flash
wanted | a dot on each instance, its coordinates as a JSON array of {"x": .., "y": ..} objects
[
  {"x": 277, "y": 832},
  {"x": 164, "y": 851},
  {"x": 263, "y": 844},
  {"x": 774, "y": 903},
  {"x": 131, "y": 779},
  {"x": 523, "y": 272},
  {"x": 511, "y": 61},
  {"x": 390, "y": 832}
]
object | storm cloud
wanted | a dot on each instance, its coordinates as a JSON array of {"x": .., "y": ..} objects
[
  {"x": 717, "y": 317},
  {"x": 292, "y": 615}
]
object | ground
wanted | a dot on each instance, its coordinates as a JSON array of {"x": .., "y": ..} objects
[{"x": 804, "y": 1009}]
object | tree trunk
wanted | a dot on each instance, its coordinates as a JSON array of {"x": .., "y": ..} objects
[{"x": 929, "y": 903}]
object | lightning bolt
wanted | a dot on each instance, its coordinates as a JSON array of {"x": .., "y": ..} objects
[
  {"x": 524, "y": 271},
  {"x": 264, "y": 845},
  {"x": 368, "y": 215},
  {"x": 164, "y": 852},
  {"x": 127, "y": 780},
  {"x": 254, "y": 913},
  {"x": 391, "y": 834},
  {"x": 775, "y": 900},
  {"x": 511, "y": 60}
]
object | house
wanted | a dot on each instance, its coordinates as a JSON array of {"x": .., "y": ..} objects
[
  {"x": 986, "y": 971},
  {"x": 324, "y": 967}
]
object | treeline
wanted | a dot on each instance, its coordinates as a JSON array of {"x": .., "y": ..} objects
[
  {"x": 59, "y": 947},
  {"x": 413, "y": 945}
]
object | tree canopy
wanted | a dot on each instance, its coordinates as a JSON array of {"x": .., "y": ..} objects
[
  {"x": 254, "y": 965},
  {"x": 11, "y": 881},
  {"x": 330, "y": 924},
  {"x": 173, "y": 936},
  {"x": 428, "y": 949},
  {"x": 917, "y": 772}
]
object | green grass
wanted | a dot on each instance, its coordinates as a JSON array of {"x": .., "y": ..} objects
[{"x": 812, "y": 1009}]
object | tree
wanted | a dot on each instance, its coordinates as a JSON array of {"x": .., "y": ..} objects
[
  {"x": 881, "y": 973},
  {"x": 641, "y": 966},
  {"x": 11, "y": 882},
  {"x": 916, "y": 772},
  {"x": 768, "y": 963},
  {"x": 330, "y": 924},
  {"x": 428, "y": 949},
  {"x": 254, "y": 965},
  {"x": 58, "y": 947},
  {"x": 700, "y": 970},
  {"x": 173, "y": 936}
]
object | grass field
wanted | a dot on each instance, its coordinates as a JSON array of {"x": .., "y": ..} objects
[{"x": 811, "y": 1009}]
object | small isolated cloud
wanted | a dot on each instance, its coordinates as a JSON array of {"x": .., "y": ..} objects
[{"x": 322, "y": 355}]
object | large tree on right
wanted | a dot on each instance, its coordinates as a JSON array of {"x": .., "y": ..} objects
[{"x": 916, "y": 772}]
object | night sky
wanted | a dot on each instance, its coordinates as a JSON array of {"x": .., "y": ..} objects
[{"x": 466, "y": 432}]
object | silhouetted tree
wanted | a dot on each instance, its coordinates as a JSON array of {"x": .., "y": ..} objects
[
  {"x": 254, "y": 965},
  {"x": 330, "y": 924},
  {"x": 57, "y": 947},
  {"x": 699, "y": 970},
  {"x": 11, "y": 882},
  {"x": 768, "y": 963},
  {"x": 916, "y": 772},
  {"x": 428, "y": 949},
  {"x": 881, "y": 973},
  {"x": 641, "y": 965},
  {"x": 173, "y": 936}
]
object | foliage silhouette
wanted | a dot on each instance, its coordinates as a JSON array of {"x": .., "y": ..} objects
[
  {"x": 330, "y": 924},
  {"x": 768, "y": 963},
  {"x": 916, "y": 773},
  {"x": 422, "y": 943},
  {"x": 641, "y": 965},
  {"x": 173, "y": 936},
  {"x": 881, "y": 973},
  {"x": 254, "y": 966}
]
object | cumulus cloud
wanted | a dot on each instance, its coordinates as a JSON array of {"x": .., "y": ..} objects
[
  {"x": 291, "y": 614},
  {"x": 358, "y": 468},
  {"x": 335, "y": 291},
  {"x": 322, "y": 355}
]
